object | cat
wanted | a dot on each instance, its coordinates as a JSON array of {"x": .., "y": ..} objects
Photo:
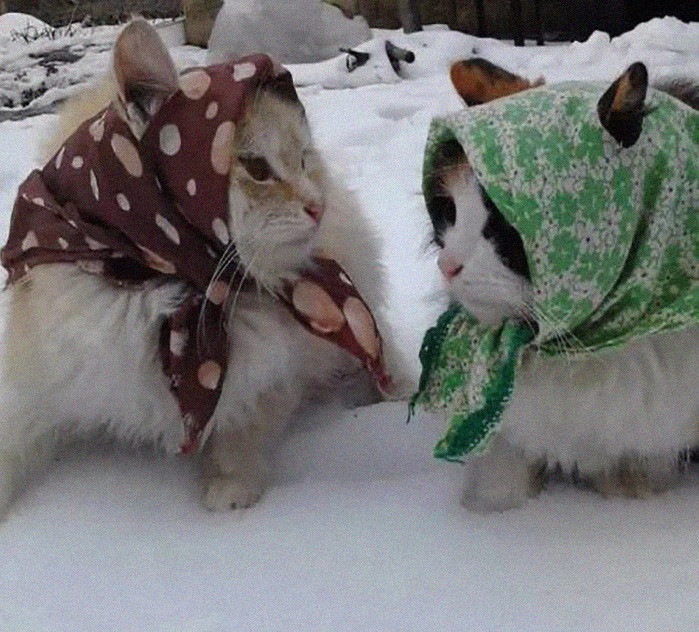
[
  {"x": 81, "y": 355},
  {"x": 618, "y": 421}
]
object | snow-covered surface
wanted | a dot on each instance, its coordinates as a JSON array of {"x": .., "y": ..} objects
[
  {"x": 293, "y": 31},
  {"x": 12, "y": 24},
  {"x": 49, "y": 65},
  {"x": 362, "y": 530}
]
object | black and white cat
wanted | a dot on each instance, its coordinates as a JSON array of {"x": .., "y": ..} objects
[{"x": 617, "y": 421}]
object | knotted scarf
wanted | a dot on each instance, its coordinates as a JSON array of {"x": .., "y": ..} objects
[
  {"x": 132, "y": 210},
  {"x": 611, "y": 237}
]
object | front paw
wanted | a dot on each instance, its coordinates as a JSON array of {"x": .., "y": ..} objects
[{"x": 231, "y": 492}]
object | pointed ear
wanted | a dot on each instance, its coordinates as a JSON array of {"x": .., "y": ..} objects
[
  {"x": 621, "y": 108},
  {"x": 478, "y": 81},
  {"x": 144, "y": 70}
]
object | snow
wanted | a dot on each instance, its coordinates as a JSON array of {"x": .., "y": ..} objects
[
  {"x": 13, "y": 23},
  {"x": 294, "y": 31},
  {"x": 54, "y": 64},
  {"x": 362, "y": 529}
]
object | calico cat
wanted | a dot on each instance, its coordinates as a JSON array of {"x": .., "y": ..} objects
[
  {"x": 618, "y": 421},
  {"x": 82, "y": 354}
]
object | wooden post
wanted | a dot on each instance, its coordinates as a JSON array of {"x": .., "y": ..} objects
[
  {"x": 480, "y": 13},
  {"x": 199, "y": 16},
  {"x": 517, "y": 25},
  {"x": 409, "y": 11},
  {"x": 539, "y": 23}
]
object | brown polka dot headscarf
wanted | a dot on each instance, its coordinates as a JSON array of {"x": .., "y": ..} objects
[{"x": 133, "y": 210}]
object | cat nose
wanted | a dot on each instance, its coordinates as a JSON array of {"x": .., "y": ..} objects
[
  {"x": 314, "y": 211},
  {"x": 449, "y": 267}
]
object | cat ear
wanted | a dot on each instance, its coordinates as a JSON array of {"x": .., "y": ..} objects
[
  {"x": 283, "y": 86},
  {"x": 621, "y": 108},
  {"x": 145, "y": 73},
  {"x": 479, "y": 81}
]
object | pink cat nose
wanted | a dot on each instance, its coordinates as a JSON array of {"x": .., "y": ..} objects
[
  {"x": 449, "y": 267},
  {"x": 314, "y": 211}
]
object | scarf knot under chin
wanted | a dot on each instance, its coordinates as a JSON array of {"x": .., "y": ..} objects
[
  {"x": 610, "y": 234},
  {"x": 132, "y": 210}
]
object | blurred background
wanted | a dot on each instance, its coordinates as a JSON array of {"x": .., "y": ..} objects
[{"x": 539, "y": 20}]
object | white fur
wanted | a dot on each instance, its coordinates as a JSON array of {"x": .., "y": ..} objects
[
  {"x": 81, "y": 355},
  {"x": 486, "y": 287},
  {"x": 619, "y": 419}
]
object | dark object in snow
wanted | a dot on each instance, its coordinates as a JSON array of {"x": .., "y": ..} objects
[
  {"x": 396, "y": 54},
  {"x": 61, "y": 55},
  {"x": 355, "y": 58}
]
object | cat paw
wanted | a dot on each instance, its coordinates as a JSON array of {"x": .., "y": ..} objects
[
  {"x": 623, "y": 485},
  {"x": 633, "y": 478},
  {"x": 229, "y": 492}
]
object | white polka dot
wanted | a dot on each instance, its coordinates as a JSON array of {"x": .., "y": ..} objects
[
  {"x": 212, "y": 110},
  {"x": 345, "y": 279},
  {"x": 217, "y": 292},
  {"x": 72, "y": 223},
  {"x": 93, "y": 244},
  {"x": 93, "y": 184},
  {"x": 221, "y": 230},
  {"x": 221, "y": 149},
  {"x": 178, "y": 341},
  {"x": 195, "y": 83},
  {"x": 211, "y": 251},
  {"x": 192, "y": 187},
  {"x": 362, "y": 325},
  {"x": 97, "y": 130},
  {"x": 62, "y": 243},
  {"x": 77, "y": 162},
  {"x": 317, "y": 306},
  {"x": 127, "y": 154},
  {"x": 59, "y": 157},
  {"x": 156, "y": 262},
  {"x": 169, "y": 230},
  {"x": 244, "y": 71},
  {"x": 170, "y": 141},
  {"x": 123, "y": 202},
  {"x": 39, "y": 201},
  {"x": 209, "y": 374},
  {"x": 30, "y": 241}
]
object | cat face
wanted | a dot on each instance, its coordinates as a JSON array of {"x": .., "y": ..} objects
[
  {"x": 481, "y": 256},
  {"x": 276, "y": 189}
]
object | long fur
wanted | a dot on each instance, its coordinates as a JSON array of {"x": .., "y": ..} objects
[
  {"x": 618, "y": 421},
  {"x": 82, "y": 355}
]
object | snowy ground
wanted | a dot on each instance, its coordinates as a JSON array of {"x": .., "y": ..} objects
[{"x": 362, "y": 530}]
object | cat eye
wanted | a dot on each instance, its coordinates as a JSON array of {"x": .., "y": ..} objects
[
  {"x": 442, "y": 211},
  {"x": 258, "y": 168}
]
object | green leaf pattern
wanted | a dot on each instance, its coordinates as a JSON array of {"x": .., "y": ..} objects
[{"x": 611, "y": 236}]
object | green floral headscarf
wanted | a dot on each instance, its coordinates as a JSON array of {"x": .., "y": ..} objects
[{"x": 610, "y": 233}]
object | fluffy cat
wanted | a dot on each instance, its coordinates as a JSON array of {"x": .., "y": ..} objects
[
  {"x": 618, "y": 421},
  {"x": 81, "y": 355}
]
